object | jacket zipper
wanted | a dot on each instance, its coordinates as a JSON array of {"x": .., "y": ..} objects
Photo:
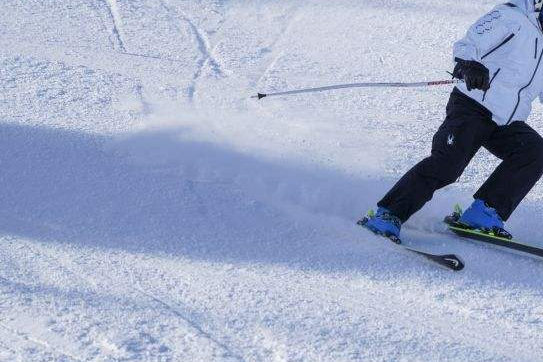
[
  {"x": 523, "y": 88},
  {"x": 498, "y": 46},
  {"x": 490, "y": 83}
]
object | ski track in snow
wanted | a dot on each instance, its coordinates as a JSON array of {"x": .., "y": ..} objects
[
  {"x": 151, "y": 212},
  {"x": 66, "y": 265},
  {"x": 54, "y": 266},
  {"x": 192, "y": 324},
  {"x": 207, "y": 57},
  {"x": 55, "y": 350},
  {"x": 276, "y": 55},
  {"x": 117, "y": 24}
]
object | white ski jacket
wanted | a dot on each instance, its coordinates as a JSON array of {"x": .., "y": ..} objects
[{"x": 509, "y": 42}]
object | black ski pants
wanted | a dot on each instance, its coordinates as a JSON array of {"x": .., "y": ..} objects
[{"x": 467, "y": 127}]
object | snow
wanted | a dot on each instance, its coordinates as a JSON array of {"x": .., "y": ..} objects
[{"x": 152, "y": 211}]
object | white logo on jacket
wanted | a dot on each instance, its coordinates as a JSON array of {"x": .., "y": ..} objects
[{"x": 450, "y": 140}]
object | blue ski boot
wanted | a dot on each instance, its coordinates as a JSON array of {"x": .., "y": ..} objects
[
  {"x": 382, "y": 223},
  {"x": 480, "y": 216}
]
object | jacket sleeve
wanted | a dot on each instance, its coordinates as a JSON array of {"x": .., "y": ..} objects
[{"x": 483, "y": 36}]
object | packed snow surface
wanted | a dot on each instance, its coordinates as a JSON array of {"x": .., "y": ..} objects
[{"x": 152, "y": 211}]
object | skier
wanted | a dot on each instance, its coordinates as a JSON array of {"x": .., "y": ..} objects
[{"x": 500, "y": 61}]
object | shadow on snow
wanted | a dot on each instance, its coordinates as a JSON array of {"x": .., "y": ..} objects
[{"x": 205, "y": 202}]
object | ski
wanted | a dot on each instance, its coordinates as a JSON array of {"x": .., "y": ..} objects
[
  {"x": 465, "y": 232},
  {"x": 449, "y": 261}
]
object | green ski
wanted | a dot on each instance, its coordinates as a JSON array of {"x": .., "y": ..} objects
[{"x": 487, "y": 237}]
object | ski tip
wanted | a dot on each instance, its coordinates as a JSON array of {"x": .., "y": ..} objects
[{"x": 453, "y": 262}]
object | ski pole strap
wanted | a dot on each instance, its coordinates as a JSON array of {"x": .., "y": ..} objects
[{"x": 361, "y": 85}]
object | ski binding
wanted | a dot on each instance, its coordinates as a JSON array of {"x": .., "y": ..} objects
[{"x": 487, "y": 236}]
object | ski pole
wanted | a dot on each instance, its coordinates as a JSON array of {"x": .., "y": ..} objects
[{"x": 361, "y": 85}]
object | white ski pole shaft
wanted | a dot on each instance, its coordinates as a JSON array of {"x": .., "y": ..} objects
[{"x": 361, "y": 85}]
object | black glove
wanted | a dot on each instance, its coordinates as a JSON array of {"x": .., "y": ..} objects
[{"x": 473, "y": 73}]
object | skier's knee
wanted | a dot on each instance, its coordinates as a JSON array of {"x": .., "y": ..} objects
[{"x": 443, "y": 169}]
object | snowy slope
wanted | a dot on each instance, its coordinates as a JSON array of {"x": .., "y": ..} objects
[{"x": 152, "y": 211}]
